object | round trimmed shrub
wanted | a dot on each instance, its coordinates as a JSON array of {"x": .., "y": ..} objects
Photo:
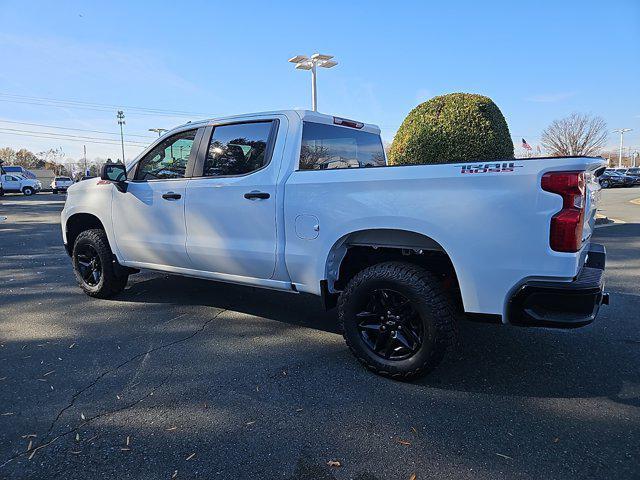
[{"x": 458, "y": 127}]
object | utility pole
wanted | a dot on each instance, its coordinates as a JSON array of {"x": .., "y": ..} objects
[
  {"x": 159, "y": 131},
  {"x": 621, "y": 131},
  {"x": 120, "y": 117},
  {"x": 85, "y": 161},
  {"x": 311, "y": 63}
]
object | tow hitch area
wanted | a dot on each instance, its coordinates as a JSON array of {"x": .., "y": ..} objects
[{"x": 563, "y": 305}]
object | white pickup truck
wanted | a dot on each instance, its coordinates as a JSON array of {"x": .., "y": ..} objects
[
  {"x": 60, "y": 184},
  {"x": 15, "y": 183},
  {"x": 303, "y": 202}
]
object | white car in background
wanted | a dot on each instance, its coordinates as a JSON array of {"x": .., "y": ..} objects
[
  {"x": 14, "y": 183},
  {"x": 60, "y": 184}
]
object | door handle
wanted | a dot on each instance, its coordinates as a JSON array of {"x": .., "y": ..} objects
[
  {"x": 171, "y": 196},
  {"x": 256, "y": 194}
]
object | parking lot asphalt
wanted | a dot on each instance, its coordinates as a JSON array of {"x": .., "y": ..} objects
[{"x": 183, "y": 378}]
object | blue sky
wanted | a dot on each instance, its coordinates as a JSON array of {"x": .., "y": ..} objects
[{"x": 537, "y": 61}]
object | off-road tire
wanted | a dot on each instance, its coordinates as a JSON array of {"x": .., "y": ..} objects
[
  {"x": 427, "y": 297},
  {"x": 110, "y": 282},
  {"x": 28, "y": 191}
]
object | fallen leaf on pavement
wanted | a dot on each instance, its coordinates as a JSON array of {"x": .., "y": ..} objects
[
  {"x": 128, "y": 440},
  {"x": 30, "y": 435},
  {"x": 413, "y": 429},
  {"x": 30, "y": 445},
  {"x": 250, "y": 423},
  {"x": 125, "y": 449},
  {"x": 82, "y": 416},
  {"x": 403, "y": 442},
  {"x": 7, "y": 413},
  {"x": 171, "y": 429},
  {"x": 72, "y": 345},
  {"x": 504, "y": 456},
  {"x": 48, "y": 373},
  {"x": 413, "y": 476},
  {"x": 175, "y": 474},
  {"x": 334, "y": 463},
  {"x": 191, "y": 456},
  {"x": 556, "y": 440},
  {"x": 77, "y": 437}
]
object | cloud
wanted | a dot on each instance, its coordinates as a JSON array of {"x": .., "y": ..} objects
[
  {"x": 550, "y": 97},
  {"x": 97, "y": 66}
]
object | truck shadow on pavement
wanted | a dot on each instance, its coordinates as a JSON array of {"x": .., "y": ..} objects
[{"x": 491, "y": 359}]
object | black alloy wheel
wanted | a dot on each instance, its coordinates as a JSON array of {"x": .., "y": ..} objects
[
  {"x": 89, "y": 265},
  {"x": 390, "y": 325}
]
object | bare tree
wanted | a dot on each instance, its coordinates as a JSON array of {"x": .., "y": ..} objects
[{"x": 575, "y": 135}]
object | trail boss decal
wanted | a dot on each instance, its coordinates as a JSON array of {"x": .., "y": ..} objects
[{"x": 489, "y": 167}]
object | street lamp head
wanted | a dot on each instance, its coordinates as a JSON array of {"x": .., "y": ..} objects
[
  {"x": 327, "y": 63},
  {"x": 304, "y": 66},
  {"x": 320, "y": 57},
  {"x": 298, "y": 59}
]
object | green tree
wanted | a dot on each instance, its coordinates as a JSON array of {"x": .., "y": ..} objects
[{"x": 452, "y": 128}]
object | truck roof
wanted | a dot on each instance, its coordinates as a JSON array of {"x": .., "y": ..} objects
[{"x": 304, "y": 115}]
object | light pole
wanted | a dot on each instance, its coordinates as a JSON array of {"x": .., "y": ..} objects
[
  {"x": 621, "y": 131},
  {"x": 159, "y": 131},
  {"x": 305, "y": 63},
  {"x": 120, "y": 117}
]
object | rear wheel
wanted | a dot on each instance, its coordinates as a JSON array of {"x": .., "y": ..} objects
[
  {"x": 397, "y": 319},
  {"x": 93, "y": 265},
  {"x": 28, "y": 191}
]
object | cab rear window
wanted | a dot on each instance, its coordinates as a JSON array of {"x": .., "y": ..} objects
[{"x": 326, "y": 147}]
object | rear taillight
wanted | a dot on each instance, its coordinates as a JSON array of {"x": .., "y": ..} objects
[{"x": 566, "y": 225}]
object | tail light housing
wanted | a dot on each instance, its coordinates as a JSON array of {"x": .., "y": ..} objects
[{"x": 567, "y": 224}]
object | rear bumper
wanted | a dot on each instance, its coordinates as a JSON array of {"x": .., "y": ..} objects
[{"x": 563, "y": 305}]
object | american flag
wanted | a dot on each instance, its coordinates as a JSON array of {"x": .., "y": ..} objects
[{"x": 525, "y": 145}]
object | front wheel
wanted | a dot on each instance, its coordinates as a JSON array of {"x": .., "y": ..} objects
[
  {"x": 28, "y": 191},
  {"x": 604, "y": 183},
  {"x": 93, "y": 265},
  {"x": 397, "y": 320}
]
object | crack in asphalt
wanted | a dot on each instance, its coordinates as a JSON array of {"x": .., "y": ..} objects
[
  {"x": 89, "y": 386},
  {"x": 32, "y": 450}
]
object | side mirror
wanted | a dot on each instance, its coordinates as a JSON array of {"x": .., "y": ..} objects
[{"x": 117, "y": 173}]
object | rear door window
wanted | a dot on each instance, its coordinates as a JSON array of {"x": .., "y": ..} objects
[
  {"x": 237, "y": 149},
  {"x": 327, "y": 147}
]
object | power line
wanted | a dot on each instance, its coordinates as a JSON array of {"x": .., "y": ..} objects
[
  {"x": 73, "y": 129},
  {"x": 61, "y": 135},
  {"x": 95, "y": 109},
  {"x": 80, "y": 139},
  {"x": 29, "y": 100}
]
